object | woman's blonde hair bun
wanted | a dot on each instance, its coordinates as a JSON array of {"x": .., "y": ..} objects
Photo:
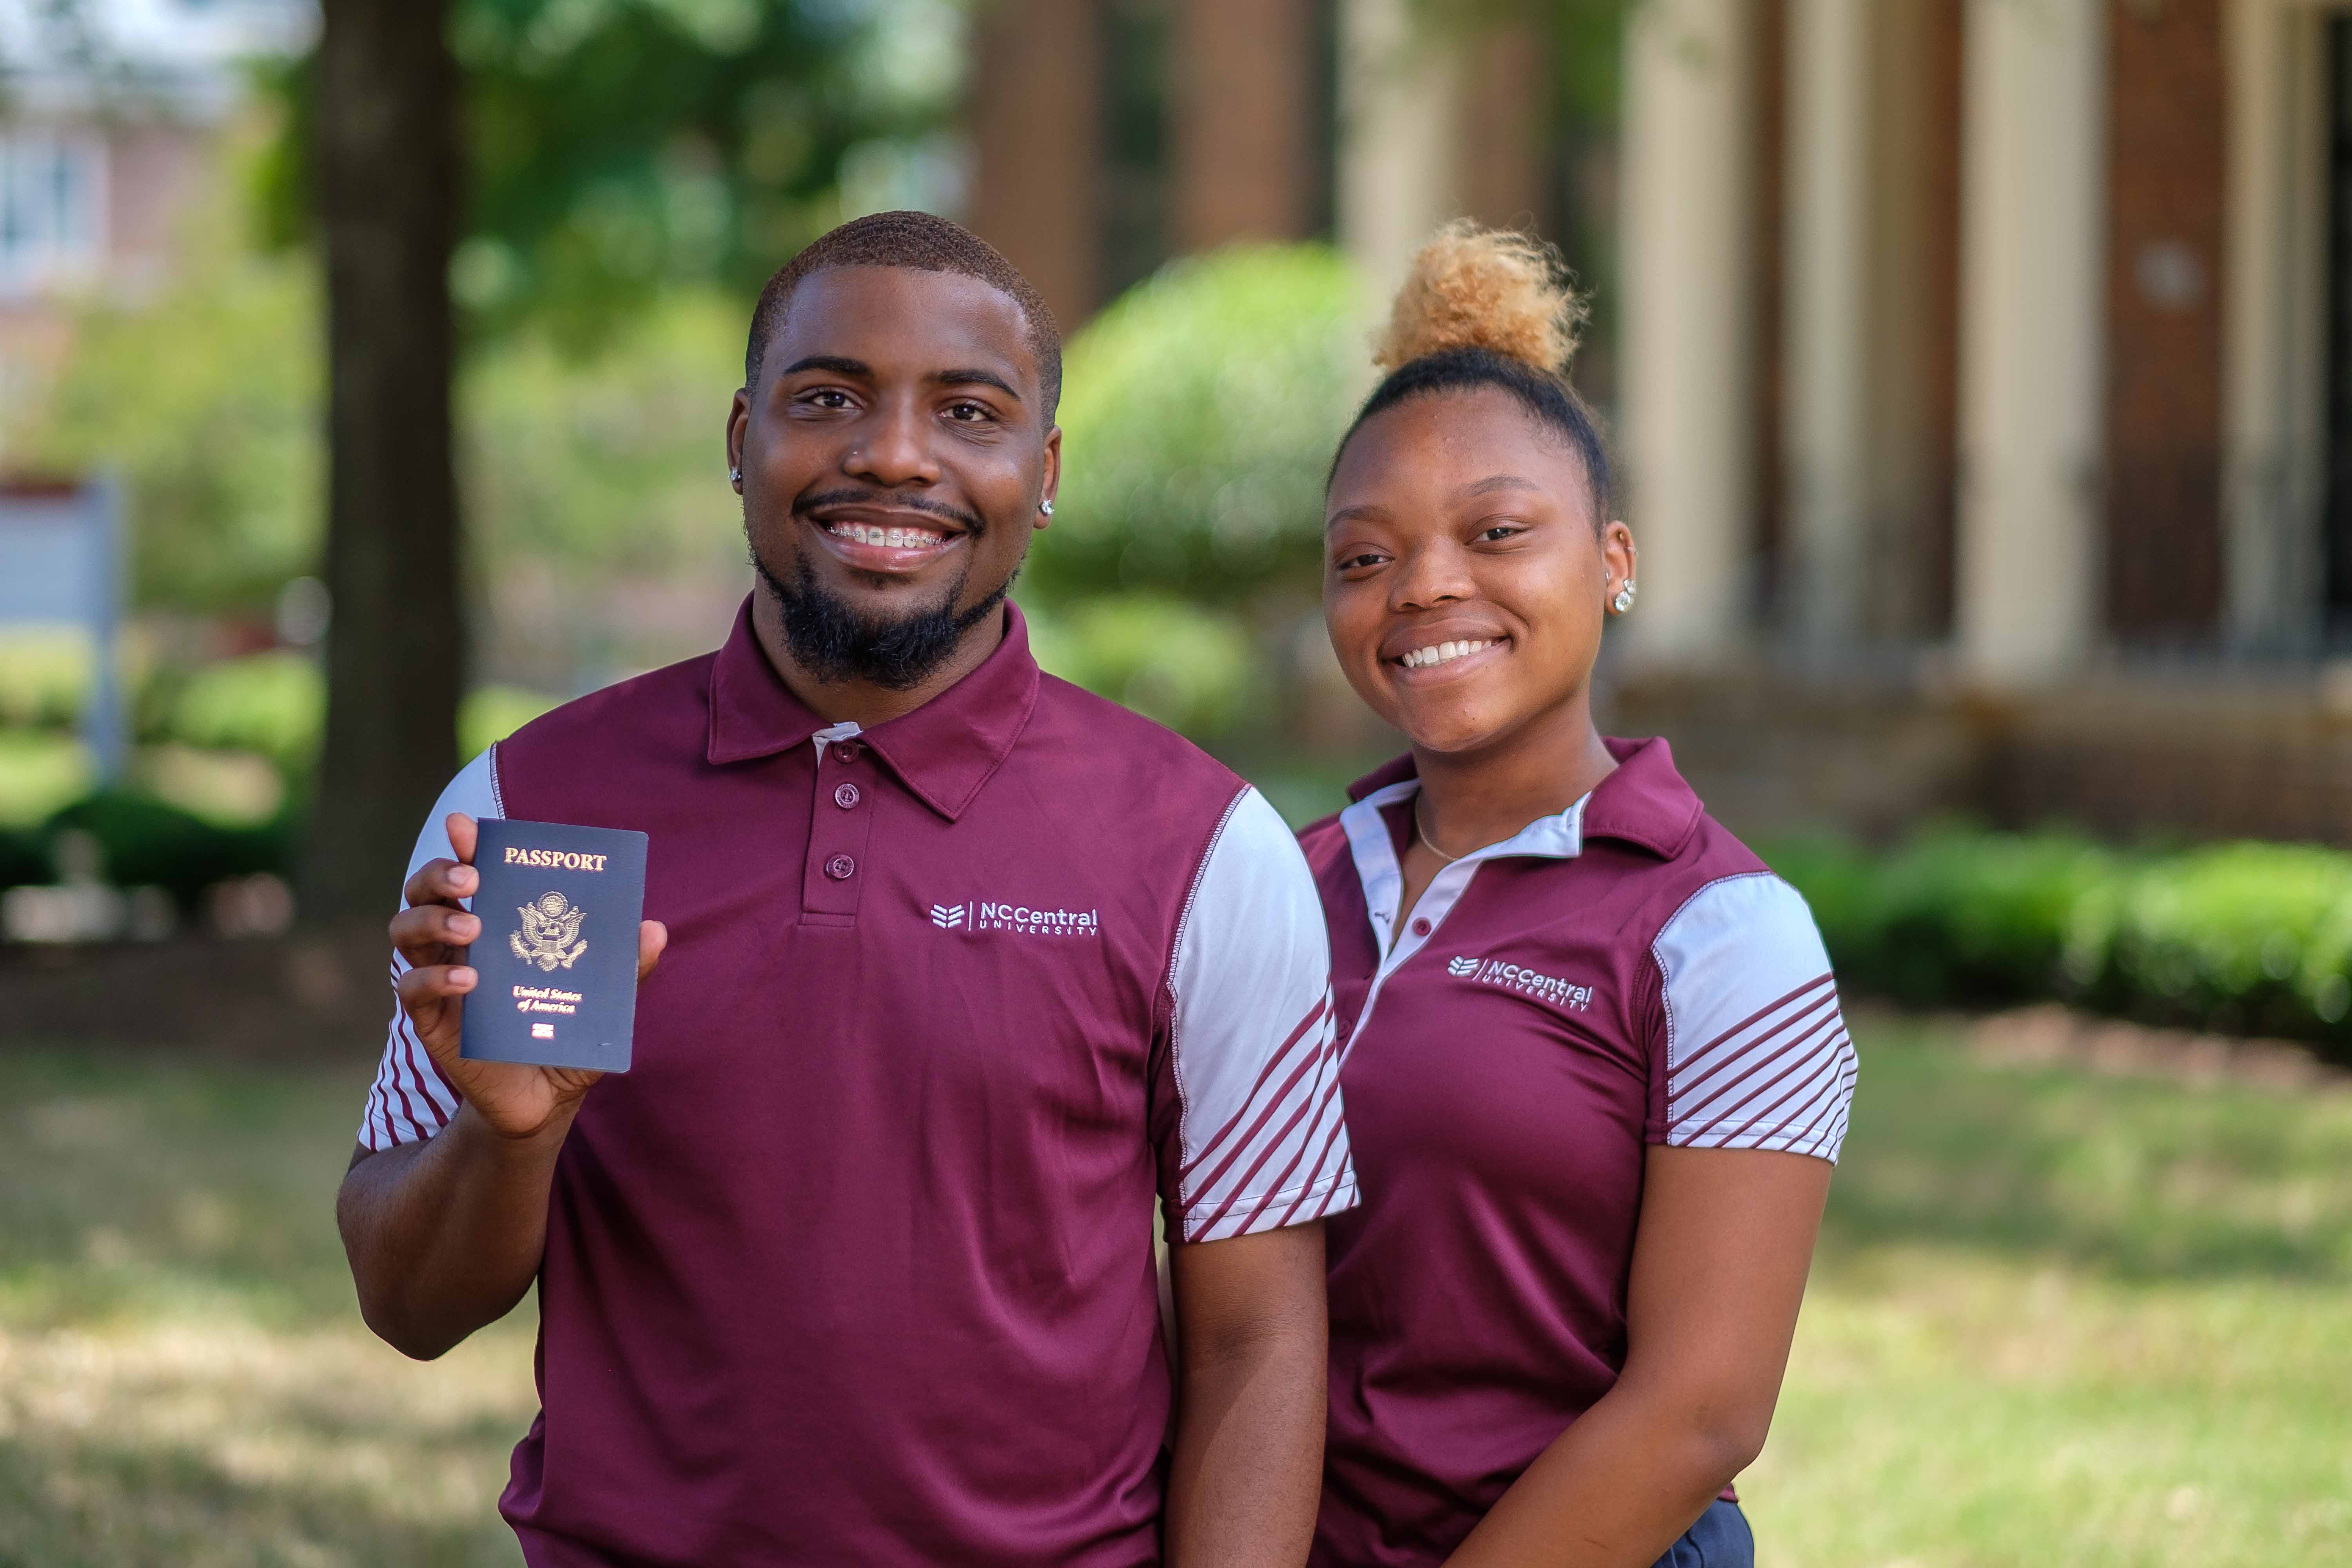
[{"x": 1479, "y": 287}]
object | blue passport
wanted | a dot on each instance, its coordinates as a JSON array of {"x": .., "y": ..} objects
[{"x": 558, "y": 953}]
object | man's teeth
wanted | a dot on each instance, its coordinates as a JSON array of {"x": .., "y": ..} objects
[
  {"x": 887, "y": 538},
  {"x": 1423, "y": 657}
]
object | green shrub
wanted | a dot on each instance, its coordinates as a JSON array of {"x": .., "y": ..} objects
[
  {"x": 45, "y": 679},
  {"x": 1201, "y": 413},
  {"x": 492, "y": 713},
  {"x": 24, "y": 857},
  {"x": 2243, "y": 938},
  {"x": 272, "y": 703},
  {"x": 2237, "y": 936},
  {"x": 1954, "y": 917},
  {"x": 40, "y": 771},
  {"x": 1190, "y": 669},
  {"x": 147, "y": 843}
]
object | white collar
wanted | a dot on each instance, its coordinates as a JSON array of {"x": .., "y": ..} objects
[{"x": 1560, "y": 838}]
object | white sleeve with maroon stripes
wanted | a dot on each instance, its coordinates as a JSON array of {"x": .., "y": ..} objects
[
  {"x": 1256, "y": 1064},
  {"x": 1756, "y": 1052},
  {"x": 410, "y": 1100}
]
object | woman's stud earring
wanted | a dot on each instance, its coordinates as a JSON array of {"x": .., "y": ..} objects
[
  {"x": 1624, "y": 602},
  {"x": 1046, "y": 506}
]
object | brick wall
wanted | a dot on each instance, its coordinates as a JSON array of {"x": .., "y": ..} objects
[{"x": 2168, "y": 100}]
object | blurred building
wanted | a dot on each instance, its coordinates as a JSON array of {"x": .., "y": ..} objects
[
  {"x": 1113, "y": 135},
  {"x": 108, "y": 113},
  {"x": 1986, "y": 405},
  {"x": 1982, "y": 368}
]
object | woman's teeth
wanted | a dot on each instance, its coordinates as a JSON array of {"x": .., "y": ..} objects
[
  {"x": 1423, "y": 658},
  {"x": 887, "y": 538}
]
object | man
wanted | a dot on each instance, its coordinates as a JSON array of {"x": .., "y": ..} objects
[{"x": 958, "y": 969}]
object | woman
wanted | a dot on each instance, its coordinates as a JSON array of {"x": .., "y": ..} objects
[{"x": 1595, "y": 1071}]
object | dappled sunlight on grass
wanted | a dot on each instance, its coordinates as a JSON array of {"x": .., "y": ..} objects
[
  {"x": 2068, "y": 1318},
  {"x": 184, "y": 1378},
  {"x": 2058, "y": 1317}
]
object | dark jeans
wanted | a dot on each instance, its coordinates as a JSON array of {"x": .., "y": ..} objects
[{"x": 1719, "y": 1540}]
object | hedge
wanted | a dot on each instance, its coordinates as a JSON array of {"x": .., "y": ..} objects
[{"x": 2238, "y": 938}]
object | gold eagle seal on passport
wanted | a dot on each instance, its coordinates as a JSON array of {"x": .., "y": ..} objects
[{"x": 549, "y": 936}]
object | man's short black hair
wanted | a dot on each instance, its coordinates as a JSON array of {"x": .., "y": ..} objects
[{"x": 925, "y": 244}]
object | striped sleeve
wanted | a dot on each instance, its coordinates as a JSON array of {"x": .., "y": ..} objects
[
  {"x": 411, "y": 1100},
  {"x": 1259, "y": 1139},
  {"x": 1756, "y": 1051}
]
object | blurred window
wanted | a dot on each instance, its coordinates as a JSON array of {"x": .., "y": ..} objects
[{"x": 52, "y": 191}]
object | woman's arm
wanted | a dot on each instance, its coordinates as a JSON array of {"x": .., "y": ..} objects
[{"x": 1719, "y": 1263}]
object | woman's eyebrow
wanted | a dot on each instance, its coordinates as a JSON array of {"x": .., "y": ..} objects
[{"x": 1494, "y": 482}]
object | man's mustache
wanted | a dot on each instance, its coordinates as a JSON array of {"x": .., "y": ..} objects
[{"x": 971, "y": 522}]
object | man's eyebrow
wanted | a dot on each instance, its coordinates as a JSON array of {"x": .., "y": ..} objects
[
  {"x": 974, "y": 377},
  {"x": 1368, "y": 512},
  {"x": 834, "y": 363}
]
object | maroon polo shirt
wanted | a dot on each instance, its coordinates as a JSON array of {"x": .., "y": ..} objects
[
  {"x": 1621, "y": 975},
  {"x": 854, "y": 1265}
]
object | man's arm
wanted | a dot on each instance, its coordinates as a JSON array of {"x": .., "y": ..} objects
[
  {"x": 1249, "y": 1424},
  {"x": 1720, "y": 1265},
  {"x": 445, "y": 1236}
]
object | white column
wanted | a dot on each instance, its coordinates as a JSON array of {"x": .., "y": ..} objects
[
  {"x": 2032, "y": 331},
  {"x": 1689, "y": 278},
  {"x": 2274, "y": 330},
  {"x": 1399, "y": 132},
  {"x": 1828, "y": 432}
]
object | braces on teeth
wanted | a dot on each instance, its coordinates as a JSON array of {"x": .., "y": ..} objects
[{"x": 887, "y": 538}]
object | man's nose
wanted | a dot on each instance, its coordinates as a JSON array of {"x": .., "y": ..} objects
[{"x": 896, "y": 450}]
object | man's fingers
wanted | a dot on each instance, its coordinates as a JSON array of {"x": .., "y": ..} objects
[
  {"x": 464, "y": 835},
  {"x": 432, "y": 982},
  {"x": 652, "y": 938},
  {"x": 421, "y": 933},
  {"x": 441, "y": 882}
]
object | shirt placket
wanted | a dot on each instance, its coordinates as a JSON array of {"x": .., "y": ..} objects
[{"x": 841, "y": 828}]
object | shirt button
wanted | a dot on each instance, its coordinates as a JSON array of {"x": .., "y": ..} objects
[
  {"x": 841, "y": 868},
  {"x": 846, "y": 796},
  {"x": 1421, "y": 927},
  {"x": 845, "y": 750}
]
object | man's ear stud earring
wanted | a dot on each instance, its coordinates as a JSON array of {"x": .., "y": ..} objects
[
  {"x": 1624, "y": 602},
  {"x": 1046, "y": 506},
  {"x": 735, "y": 475}
]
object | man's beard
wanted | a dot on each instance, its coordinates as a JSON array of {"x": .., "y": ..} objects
[{"x": 833, "y": 643}]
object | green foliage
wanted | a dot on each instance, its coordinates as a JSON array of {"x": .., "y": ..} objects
[
  {"x": 1953, "y": 916},
  {"x": 612, "y": 462},
  {"x": 271, "y": 703},
  {"x": 149, "y": 844},
  {"x": 45, "y": 678},
  {"x": 39, "y": 772},
  {"x": 619, "y": 148},
  {"x": 2252, "y": 937},
  {"x": 1202, "y": 409},
  {"x": 205, "y": 397},
  {"x": 2247, "y": 937},
  {"x": 491, "y": 713},
  {"x": 1188, "y": 668}
]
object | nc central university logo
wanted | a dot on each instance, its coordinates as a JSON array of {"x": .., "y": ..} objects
[
  {"x": 993, "y": 914},
  {"x": 550, "y": 933},
  {"x": 1526, "y": 981}
]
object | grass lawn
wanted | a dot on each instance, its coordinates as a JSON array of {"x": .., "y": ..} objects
[{"x": 2058, "y": 1318}]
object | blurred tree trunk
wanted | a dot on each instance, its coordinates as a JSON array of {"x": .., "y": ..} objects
[{"x": 385, "y": 157}]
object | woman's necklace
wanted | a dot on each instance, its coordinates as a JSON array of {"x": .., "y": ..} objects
[{"x": 1423, "y": 833}]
